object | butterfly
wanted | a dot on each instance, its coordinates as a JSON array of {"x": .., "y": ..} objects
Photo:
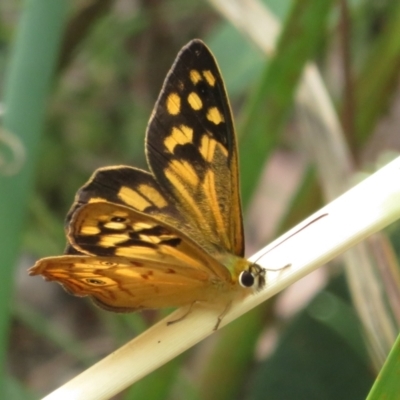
[{"x": 172, "y": 236}]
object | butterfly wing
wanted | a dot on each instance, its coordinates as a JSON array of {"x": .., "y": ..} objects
[
  {"x": 127, "y": 261},
  {"x": 124, "y": 285},
  {"x": 133, "y": 188},
  {"x": 191, "y": 150}
]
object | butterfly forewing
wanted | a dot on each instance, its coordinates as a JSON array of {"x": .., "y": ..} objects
[{"x": 191, "y": 150}]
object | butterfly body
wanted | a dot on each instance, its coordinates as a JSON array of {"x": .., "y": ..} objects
[{"x": 172, "y": 236}]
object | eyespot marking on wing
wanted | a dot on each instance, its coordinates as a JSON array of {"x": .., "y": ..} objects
[
  {"x": 118, "y": 218},
  {"x": 108, "y": 263},
  {"x": 95, "y": 282}
]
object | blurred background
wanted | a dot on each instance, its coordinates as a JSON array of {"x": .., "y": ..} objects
[{"x": 78, "y": 82}]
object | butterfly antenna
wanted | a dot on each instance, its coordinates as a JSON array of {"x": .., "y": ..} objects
[{"x": 294, "y": 233}]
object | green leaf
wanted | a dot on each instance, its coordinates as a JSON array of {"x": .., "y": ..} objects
[{"x": 387, "y": 384}]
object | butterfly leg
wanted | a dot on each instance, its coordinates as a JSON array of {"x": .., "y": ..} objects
[
  {"x": 222, "y": 315},
  {"x": 184, "y": 315}
]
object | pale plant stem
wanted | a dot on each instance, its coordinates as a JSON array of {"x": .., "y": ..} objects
[
  {"x": 327, "y": 147},
  {"x": 365, "y": 209}
]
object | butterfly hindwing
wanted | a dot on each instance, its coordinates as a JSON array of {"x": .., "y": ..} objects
[
  {"x": 191, "y": 149},
  {"x": 123, "y": 285},
  {"x": 129, "y": 187}
]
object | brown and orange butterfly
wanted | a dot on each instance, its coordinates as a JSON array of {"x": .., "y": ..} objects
[{"x": 172, "y": 236}]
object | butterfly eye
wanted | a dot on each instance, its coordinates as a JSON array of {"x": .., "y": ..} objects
[
  {"x": 246, "y": 279},
  {"x": 97, "y": 282},
  {"x": 108, "y": 263}
]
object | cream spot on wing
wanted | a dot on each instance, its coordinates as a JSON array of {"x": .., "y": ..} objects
[
  {"x": 174, "y": 104},
  {"x": 127, "y": 252},
  {"x": 89, "y": 230},
  {"x": 195, "y": 76},
  {"x": 195, "y": 101},
  {"x": 117, "y": 216},
  {"x": 101, "y": 218},
  {"x": 138, "y": 226},
  {"x": 210, "y": 78},
  {"x": 112, "y": 240},
  {"x": 167, "y": 236},
  {"x": 178, "y": 136},
  {"x": 214, "y": 116},
  {"x": 97, "y": 200},
  {"x": 120, "y": 214},
  {"x": 115, "y": 225},
  {"x": 150, "y": 239}
]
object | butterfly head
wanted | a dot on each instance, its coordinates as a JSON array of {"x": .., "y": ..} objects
[{"x": 253, "y": 277}]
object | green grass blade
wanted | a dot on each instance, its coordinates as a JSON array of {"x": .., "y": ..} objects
[
  {"x": 26, "y": 91},
  {"x": 270, "y": 103},
  {"x": 387, "y": 384},
  {"x": 377, "y": 81}
]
